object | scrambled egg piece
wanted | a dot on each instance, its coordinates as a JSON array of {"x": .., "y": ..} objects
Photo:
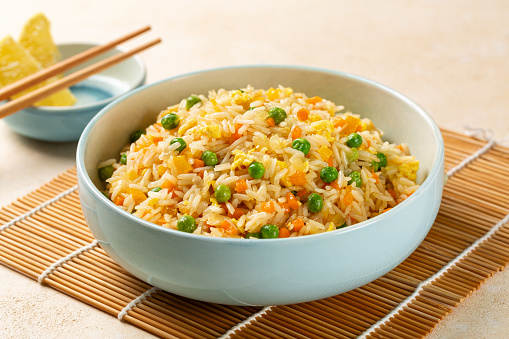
[
  {"x": 314, "y": 118},
  {"x": 214, "y": 201},
  {"x": 282, "y": 164},
  {"x": 409, "y": 170},
  {"x": 213, "y": 131},
  {"x": 325, "y": 152},
  {"x": 241, "y": 159},
  {"x": 285, "y": 181},
  {"x": 325, "y": 128},
  {"x": 240, "y": 97}
]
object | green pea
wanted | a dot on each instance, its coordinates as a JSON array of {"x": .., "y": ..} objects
[
  {"x": 256, "y": 170},
  {"x": 191, "y": 101},
  {"x": 187, "y": 224},
  {"x": 182, "y": 143},
  {"x": 252, "y": 235},
  {"x": 106, "y": 172},
  {"x": 328, "y": 174},
  {"x": 352, "y": 155},
  {"x": 209, "y": 158},
  {"x": 341, "y": 226},
  {"x": 301, "y": 144},
  {"x": 354, "y": 140},
  {"x": 136, "y": 135},
  {"x": 170, "y": 121},
  {"x": 123, "y": 158},
  {"x": 223, "y": 193},
  {"x": 156, "y": 189},
  {"x": 355, "y": 177},
  {"x": 315, "y": 203},
  {"x": 278, "y": 114},
  {"x": 382, "y": 162},
  {"x": 269, "y": 231}
]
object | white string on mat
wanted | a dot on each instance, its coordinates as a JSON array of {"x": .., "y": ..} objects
[
  {"x": 481, "y": 134},
  {"x": 246, "y": 322},
  {"x": 38, "y": 208},
  {"x": 63, "y": 260},
  {"x": 137, "y": 300},
  {"x": 435, "y": 276}
]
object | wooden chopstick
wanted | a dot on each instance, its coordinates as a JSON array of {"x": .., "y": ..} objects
[
  {"x": 26, "y": 100},
  {"x": 64, "y": 65}
]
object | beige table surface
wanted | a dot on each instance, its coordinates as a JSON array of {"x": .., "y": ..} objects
[{"x": 452, "y": 57}]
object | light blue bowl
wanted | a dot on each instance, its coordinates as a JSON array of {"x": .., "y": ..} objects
[
  {"x": 266, "y": 271},
  {"x": 67, "y": 123}
]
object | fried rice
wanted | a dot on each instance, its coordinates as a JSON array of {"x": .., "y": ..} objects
[{"x": 161, "y": 182}]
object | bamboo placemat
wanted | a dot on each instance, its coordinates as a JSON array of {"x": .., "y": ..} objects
[{"x": 44, "y": 236}]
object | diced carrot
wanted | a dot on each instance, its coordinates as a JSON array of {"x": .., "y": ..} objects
[
  {"x": 376, "y": 177},
  {"x": 201, "y": 173},
  {"x": 296, "y": 132},
  {"x": 298, "y": 178},
  {"x": 228, "y": 228},
  {"x": 284, "y": 233},
  {"x": 237, "y": 213},
  {"x": 303, "y": 114},
  {"x": 292, "y": 201},
  {"x": 313, "y": 100},
  {"x": 154, "y": 139},
  {"x": 161, "y": 221},
  {"x": 169, "y": 185},
  {"x": 271, "y": 122},
  {"x": 385, "y": 210},
  {"x": 236, "y": 135},
  {"x": 330, "y": 161},
  {"x": 298, "y": 224},
  {"x": 285, "y": 207},
  {"x": 338, "y": 122},
  {"x": 268, "y": 207},
  {"x": 335, "y": 185},
  {"x": 241, "y": 186},
  {"x": 302, "y": 193},
  {"x": 198, "y": 163},
  {"x": 392, "y": 193},
  {"x": 348, "y": 199},
  {"x": 119, "y": 200},
  {"x": 182, "y": 165},
  {"x": 351, "y": 124}
]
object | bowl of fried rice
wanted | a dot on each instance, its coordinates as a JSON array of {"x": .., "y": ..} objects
[{"x": 261, "y": 185}]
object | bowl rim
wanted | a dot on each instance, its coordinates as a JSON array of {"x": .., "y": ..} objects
[
  {"x": 76, "y": 108},
  {"x": 436, "y": 170}
]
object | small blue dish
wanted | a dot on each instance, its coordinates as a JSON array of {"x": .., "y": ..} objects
[{"x": 63, "y": 124}]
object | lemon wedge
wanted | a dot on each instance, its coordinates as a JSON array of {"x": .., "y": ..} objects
[
  {"x": 36, "y": 50},
  {"x": 36, "y": 39},
  {"x": 16, "y": 63}
]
